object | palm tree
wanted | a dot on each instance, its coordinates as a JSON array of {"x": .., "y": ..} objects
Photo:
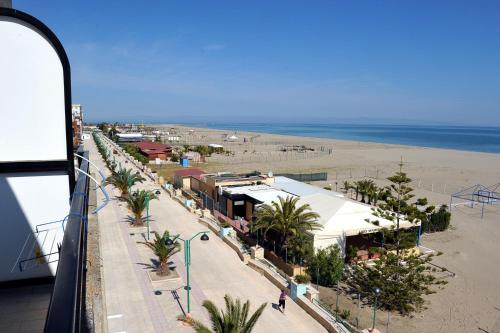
[
  {"x": 233, "y": 320},
  {"x": 286, "y": 219},
  {"x": 372, "y": 192},
  {"x": 124, "y": 179},
  {"x": 137, "y": 203},
  {"x": 163, "y": 251},
  {"x": 346, "y": 186},
  {"x": 364, "y": 186}
]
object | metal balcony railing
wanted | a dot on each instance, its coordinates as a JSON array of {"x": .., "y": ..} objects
[{"x": 67, "y": 301}]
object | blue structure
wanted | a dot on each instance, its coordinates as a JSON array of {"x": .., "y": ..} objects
[
  {"x": 184, "y": 162},
  {"x": 297, "y": 289},
  {"x": 477, "y": 194}
]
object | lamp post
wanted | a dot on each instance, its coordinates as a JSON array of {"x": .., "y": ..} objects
[
  {"x": 147, "y": 213},
  {"x": 187, "y": 261},
  {"x": 376, "y": 292}
]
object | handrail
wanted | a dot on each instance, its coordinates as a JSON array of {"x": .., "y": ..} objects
[
  {"x": 339, "y": 324},
  {"x": 95, "y": 166},
  {"x": 65, "y": 308},
  {"x": 106, "y": 195}
]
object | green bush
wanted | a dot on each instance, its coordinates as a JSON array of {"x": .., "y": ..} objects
[
  {"x": 437, "y": 221},
  {"x": 174, "y": 158},
  {"x": 327, "y": 266},
  {"x": 135, "y": 153},
  {"x": 302, "y": 278}
]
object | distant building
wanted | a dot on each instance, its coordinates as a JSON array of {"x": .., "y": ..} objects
[
  {"x": 182, "y": 178},
  {"x": 175, "y": 138},
  {"x": 154, "y": 150},
  {"x": 77, "y": 124},
  {"x": 130, "y": 137},
  {"x": 193, "y": 156}
]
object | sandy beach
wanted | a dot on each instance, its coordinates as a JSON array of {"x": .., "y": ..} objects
[{"x": 471, "y": 300}]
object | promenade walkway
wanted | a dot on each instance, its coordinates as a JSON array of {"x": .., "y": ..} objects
[{"x": 216, "y": 270}]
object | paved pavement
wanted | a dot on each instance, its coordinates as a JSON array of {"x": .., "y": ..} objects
[{"x": 216, "y": 270}]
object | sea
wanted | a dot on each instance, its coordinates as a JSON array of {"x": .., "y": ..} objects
[{"x": 479, "y": 139}]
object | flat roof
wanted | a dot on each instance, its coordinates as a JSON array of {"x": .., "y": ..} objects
[
  {"x": 299, "y": 188},
  {"x": 263, "y": 193}
]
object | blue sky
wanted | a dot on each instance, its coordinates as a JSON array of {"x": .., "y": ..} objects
[{"x": 431, "y": 62}]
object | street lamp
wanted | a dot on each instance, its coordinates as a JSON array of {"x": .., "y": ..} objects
[
  {"x": 147, "y": 213},
  {"x": 187, "y": 261},
  {"x": 376, "y": 292}
]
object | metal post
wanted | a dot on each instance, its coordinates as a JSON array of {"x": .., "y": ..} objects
[
  {"x": 374, "y": 312},
  {"x": 147, "y": 214},
  {"x": 337, "y": 303},
  {"x": 187, "y": 253},
  {"x": 317, "y": 277},
  {"x": 419, "y": 234},
  {"x": 359, "y": 309}
]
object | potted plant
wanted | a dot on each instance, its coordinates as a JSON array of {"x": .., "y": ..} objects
[
  {"x": 362, "y": 255},
  {"x": 298, "y": 286},
  {"x": 225, "y": 229},
  {"x": 352, "y": 253},
  {"x": 374, "y": 252}
]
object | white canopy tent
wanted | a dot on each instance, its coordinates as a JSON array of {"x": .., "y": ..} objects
[{"x": 341, "y": 218}]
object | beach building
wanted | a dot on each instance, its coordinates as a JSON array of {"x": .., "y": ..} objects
[
  {"x": 209, "y": 186},
  {"x": 130, "y": 137},
  {"x": 193, "y": 156},
  {"x": 154, "y": 150},
  {"x": 182, "y": 178},
  {"x": 237, "y": 197}
]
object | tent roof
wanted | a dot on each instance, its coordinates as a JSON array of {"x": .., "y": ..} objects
[
  {"x": 341, "y": 216},
  {"x": 300, "y": 188}
]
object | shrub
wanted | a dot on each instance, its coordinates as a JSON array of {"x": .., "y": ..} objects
[
  {"x": 174, "y": 158},
  {"x": 327, "y": 266},
  {"x": 437, "y": 220},
  {"x": 345, "y": 314},
  {"x": 302, "y": 278},
  {"x": 352, "y": 251}
]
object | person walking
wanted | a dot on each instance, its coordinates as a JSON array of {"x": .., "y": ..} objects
[{"x": 282, "y": 301}]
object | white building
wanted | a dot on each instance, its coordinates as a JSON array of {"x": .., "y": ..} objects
[{"x": 340, "y": 217}]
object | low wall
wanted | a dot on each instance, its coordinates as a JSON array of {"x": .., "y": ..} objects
[
  {"x": 308, "y": 307},
  {"x": 226, "y": 240},
  {"x": 290, "y": 270},
  {"x": 301, "y": 301},
  {"x": 269, "y": 276}
]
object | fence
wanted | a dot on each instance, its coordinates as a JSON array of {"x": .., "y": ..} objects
[
  {"x": 352, "y": 174},
  {"x": 270, "y": 156},
  {"x": 355, "y": 311},
  {"x": 305, "y": 177}
]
